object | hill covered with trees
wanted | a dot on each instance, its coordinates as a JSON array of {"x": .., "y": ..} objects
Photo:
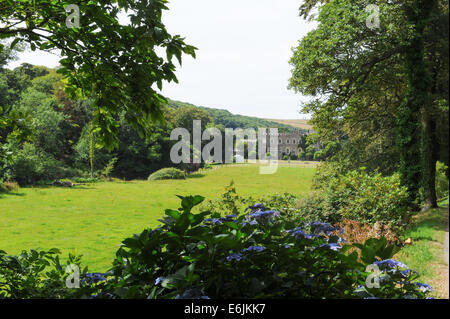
[
  {"x": 225, "y": 119},
  {"x": 62, "y": 143}
]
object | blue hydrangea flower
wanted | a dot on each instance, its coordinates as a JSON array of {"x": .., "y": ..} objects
[
  {"x": 192, "y": 293},
  {"x": 93, "y": 278},
  {"x": 215, "y": 221},
  {"x": 319, "y": 227},
  {"x": 255, "y": 248},
  {"x": 256, "y": 207},
  {"x": 262, "y": 217},
  {"x": 251, "y": 222},
  {"x": 390, "y": 263},
  {"x": 424, "y": 287},
  {"x": 299, "y": 233},
  {"x": 102, "y": 295},
  {"x": 221, "y": 220},
  {"x": 407, "y": 272},
  {"x": 235, "y": 256},
  {"x": 154, "y": 231},
  {"x": 332, "y": 246},
  {"x": 159, "y": 280},
  {"x": 267, "y": 214}
]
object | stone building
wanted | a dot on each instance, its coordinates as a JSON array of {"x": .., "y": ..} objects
[{"x": 288, "y": 143}]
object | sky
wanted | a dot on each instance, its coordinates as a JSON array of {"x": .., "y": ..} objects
[{"x": 242, "y": 63}]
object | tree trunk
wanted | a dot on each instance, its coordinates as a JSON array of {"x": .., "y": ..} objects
[
  {"x": 411, "y": 134},
  {"x": 430, "y": 157}
]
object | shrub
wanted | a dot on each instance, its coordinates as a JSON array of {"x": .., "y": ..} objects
[
  {"x": 6, "y": 187},
  {"x": 207, "y": 166},
  {"x": 442, "y": 183},
  {"x": 359, "y": 196},
  {"x": 231, "y": 202},
  {"x": 31, "y": 165},
  {"x": 356, "y": 232},
  {"x": 316, "y": 206},
  {"x": 106, "y": 171},
  {"x": 35, "y": 274},
  {"x": 167, "y": 173},
  {"x": 85, "y": 180}
]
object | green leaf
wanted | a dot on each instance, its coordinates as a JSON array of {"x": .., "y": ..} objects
[
  {"x": 13, "y": 44},
  {"x": 173, "y": 213},
  {"x": 132, "y": 243}
]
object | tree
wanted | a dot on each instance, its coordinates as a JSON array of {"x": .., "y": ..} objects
[
  {"x": 13, "y": 124},
  {"x": 185, "y": 116},
  {"x": 114, "y": 63},
  {"x": 366, "y": 84}
]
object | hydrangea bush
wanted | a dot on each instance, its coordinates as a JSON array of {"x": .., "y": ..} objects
[{"x": 256, "y": 254}]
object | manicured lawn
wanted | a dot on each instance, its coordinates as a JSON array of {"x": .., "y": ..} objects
[
  {"x": 426, "y": 253},
  {"x": 93, "y": 219}
]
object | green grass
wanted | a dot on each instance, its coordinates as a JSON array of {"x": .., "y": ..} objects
[
  {"x": 93, "y": 219},
  {"x": 426, "y": 253}
]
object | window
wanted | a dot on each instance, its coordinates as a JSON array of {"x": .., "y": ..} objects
[
  {"x": 288, "y": 151},
  {"x": 280, "y": 141},
  {"x": 293, "y": 141},
  {"x": 287, "y": 141}
]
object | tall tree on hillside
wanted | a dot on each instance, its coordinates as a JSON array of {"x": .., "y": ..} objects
[
  {"x": 115, "y": 63},
  {"x": 13, "y": 124},
  {"x": 379, "y": 86}
]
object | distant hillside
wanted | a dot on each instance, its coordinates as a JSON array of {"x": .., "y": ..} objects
[
  {"x": 301, "y": 124},
  {"x": 229, "y": 120}
]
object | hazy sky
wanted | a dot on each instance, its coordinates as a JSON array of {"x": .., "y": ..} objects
[{"x": 242, "y": 61}]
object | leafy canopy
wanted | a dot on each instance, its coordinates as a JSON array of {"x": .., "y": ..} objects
[{"x": 112, "y": 61}]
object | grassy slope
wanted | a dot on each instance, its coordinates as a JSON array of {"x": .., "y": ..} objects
[
  {"x": 93, "y": 219},
  {"x": 426, "y": 253},
  {"x": 301, "y": 124}
]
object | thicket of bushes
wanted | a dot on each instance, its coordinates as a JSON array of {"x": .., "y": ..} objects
[
  {"x": 256, "y": 254},
  {"x": 442, "y": 182},
  {"x": 8, "y": 186},
  {"x": 366, "y": 201},
  {"x": 358, "y": 196}
]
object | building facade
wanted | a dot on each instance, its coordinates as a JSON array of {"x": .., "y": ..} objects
[{"x": 288, "y": 143}]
